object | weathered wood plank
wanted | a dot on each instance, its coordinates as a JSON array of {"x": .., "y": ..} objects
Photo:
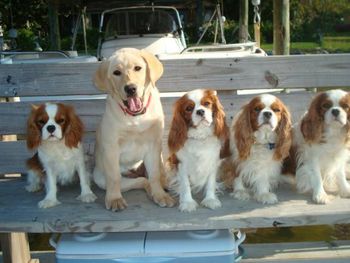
[
  {"x": 298, "y": 252},
  {"x": 22, "y": 214},
  {"x": 142, "y": 214},
  {"x": 14, "y": 115},
  {"x": 90, "y": 111},
  {"x": 181, "y": 75},
  {"x": 47, "y": 79},
  {"x": 15, "y": 153},
  {"x": 15, "y": 248},
  {"x": 14, "y": 156},
  {"x": 40, "y": 256}
]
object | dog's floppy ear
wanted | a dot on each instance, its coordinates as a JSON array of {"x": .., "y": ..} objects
[
  {"x": 75, "y": 130},
  {"x": 100, "y": 78},
  {"x": 33, "y": 132},
  {"x": 154, "y": 66}
]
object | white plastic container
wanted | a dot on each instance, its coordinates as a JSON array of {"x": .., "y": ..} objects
[{"x": 205, "y": 246}]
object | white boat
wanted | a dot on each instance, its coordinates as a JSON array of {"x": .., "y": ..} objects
[
  {"x": 37, "y": 57},
  {"x": 159, "y": 30}
]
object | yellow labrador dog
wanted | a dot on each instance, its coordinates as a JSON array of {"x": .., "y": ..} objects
[{"x": 131, "y": 129}]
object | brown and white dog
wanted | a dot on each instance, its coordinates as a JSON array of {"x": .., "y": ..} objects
[
  {"x": 55, "y": 131},
  {"x": 131, "y": 129},
  {"x": 197, "y": 135},
  {"x": 322, "y": 146},
  {"x": 260, "y": 139}
]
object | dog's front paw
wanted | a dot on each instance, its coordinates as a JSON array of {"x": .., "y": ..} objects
[
  {"x": 87, "y": 198},
  {"x": 47, "y": 203},
  {"x": 163, "y": 200},
  {"x": 321, "y": 198},
  {"x": 116, "y": 204},
  {"x": 267, "y": 198},
  {"x": 240, "y": 195},
  {"x": 211, "y": 203},
  {"x": 188, "y": 206}
]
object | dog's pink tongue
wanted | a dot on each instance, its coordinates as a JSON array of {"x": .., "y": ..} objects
[{"x": 135, "y": 104}]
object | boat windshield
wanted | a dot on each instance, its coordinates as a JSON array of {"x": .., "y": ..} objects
[{"x": 138, "y": 22}]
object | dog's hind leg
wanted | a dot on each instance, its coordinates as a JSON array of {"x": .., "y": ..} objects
[{"x": 135, "y": 183}]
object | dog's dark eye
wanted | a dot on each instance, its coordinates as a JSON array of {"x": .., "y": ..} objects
[
  {"x": 41, "y": 122},
  {"x": 189, "y": 108},
  {"x": 117, "y": 73},
  {"x": 206, "y": 104},
  {"x": 60, "y": 121},
  {"x": 346, "y": 107},
  {"x": 326, "y": 106},
  {"x": 137, "y": 68},
  {"x": 276, "y": 110},
  {"x": 257, "y": 109}
]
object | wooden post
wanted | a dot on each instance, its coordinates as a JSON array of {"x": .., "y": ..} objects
[
  {"x": 13, "y": 137},
  {"x": 281, "y": 35},
  {"x": 199, "y": 16},
  {"x": 55, "y": 39},
  {"x": 15, "y": 248},
  {"x": 243, "y": 21},
  {"x": 257, "y": 19},
  {"x": 257, "y": 34}
]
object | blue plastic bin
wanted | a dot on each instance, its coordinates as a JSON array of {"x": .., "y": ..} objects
[{"x": 204, "y": 246}]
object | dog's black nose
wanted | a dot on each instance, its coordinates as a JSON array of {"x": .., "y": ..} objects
[
  {"x": 200, "y": 113},
  {"x": 51, "y": 128},
  {"x": 335, "y": 112},
  {"x": 130, "y": 90},
  {"x": 267, "y": 114}
]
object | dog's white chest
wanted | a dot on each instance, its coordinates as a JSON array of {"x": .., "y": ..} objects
[
  {"x": 329, "y": 154},
  {"x": 200, "y": 158},
  {"x": 132, "y": 151},
  {"x": 260, "y": 162},
  {"x": 59, "y": 159}
]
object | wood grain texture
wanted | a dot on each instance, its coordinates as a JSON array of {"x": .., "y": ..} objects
[
  {"x": 298, "y": 252},
  {"x": 21, "y": 213},
  {"x": 14, "y": 115},
  {"x": 15, "y": 248},
  {"x": 185, "y": 74},
  {"x": 15, "y": 153}
]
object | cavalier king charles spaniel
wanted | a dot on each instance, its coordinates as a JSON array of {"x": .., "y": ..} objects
[
  {"x": 55, "y": 131},
  {"x": 322, "y": 146},
  {"x": 260, "y": 140},
  {"x": 198, "y": 137}
]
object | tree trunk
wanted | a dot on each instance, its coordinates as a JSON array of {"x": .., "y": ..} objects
[
  {"x": 243, "y": 21},
  {"x": 199, "y": 16},
  {"x": 281, "y": 34},
  {"x": 55, "y": 43}
]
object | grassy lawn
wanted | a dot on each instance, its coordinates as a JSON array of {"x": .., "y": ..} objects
[{"x": 337, "y": 44}]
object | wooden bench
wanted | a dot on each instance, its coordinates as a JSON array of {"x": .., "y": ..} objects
[{"x": 18, "y": 209}]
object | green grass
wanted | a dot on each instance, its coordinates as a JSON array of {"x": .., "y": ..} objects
[
  {"x": 305, "y": 47},
  {"x": 343, "y": 38},
  {"x": 332, "y": 44},
  {"x": 336, "y": 43}
]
